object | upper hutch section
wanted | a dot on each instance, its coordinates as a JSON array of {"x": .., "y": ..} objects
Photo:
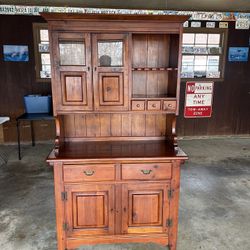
[{"x": 115, "y": 63}]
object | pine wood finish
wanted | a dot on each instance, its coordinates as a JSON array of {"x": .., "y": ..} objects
[{"x": 115, "y": 82}]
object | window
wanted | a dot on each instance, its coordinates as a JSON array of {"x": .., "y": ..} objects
[
  {"x": 41, "y": 49},
  {"x": 203, "y": 53}
]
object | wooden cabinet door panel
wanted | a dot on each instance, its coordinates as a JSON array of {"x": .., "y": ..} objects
[
  {"x": 110, "y": 71},
  {"x": 75, "y": 89},
  {"x": 89, "y": 209},
  {"x": 145, "y": 208},
  {"x": 72, "y": 89},
  {"x": 111, "y": 89}
]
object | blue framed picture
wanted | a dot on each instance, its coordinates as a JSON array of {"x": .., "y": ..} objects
[
  {"x": 15, "y": 53},
  {"x": 238, "y": 54}
]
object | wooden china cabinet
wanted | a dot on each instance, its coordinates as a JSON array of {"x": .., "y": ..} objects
[{"x": 115, "y": 85}]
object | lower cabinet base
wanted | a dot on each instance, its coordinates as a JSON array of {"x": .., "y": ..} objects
[
  {"x": 73, "y": 243},
  {"x": 111, "y": 203}
]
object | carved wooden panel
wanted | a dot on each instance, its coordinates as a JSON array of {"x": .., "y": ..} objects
[
  {"x": 76, "y": 92},
  {"x": 111, "y": 89},
  {"x": 74, "y": 88},
  {"x": 89, "y": 209},
  {"x": 146, "y": 208}
]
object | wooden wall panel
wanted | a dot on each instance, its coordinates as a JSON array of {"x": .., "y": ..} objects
[
  {"x": 105, "y": 124},
  {"x": 69, "y": 124},
  {"x": 93, "y": 125},
  {"x": 138, "y": 125},
  {"x": 80, "y": 126},
  {"x": 18, "y": 78},
  {"x": 126, "y": 124},
  {"x": 150, "y": 125},
  {"x": 114, "y": 125}
]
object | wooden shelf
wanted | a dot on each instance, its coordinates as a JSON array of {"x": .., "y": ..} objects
[
  {"x": 154, "y": 69},
  {"x": 116, "y": 149},
  {"x": 153, "y": 97}
]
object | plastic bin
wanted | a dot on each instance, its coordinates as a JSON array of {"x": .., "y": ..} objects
[{"x": 37, "y": 104}]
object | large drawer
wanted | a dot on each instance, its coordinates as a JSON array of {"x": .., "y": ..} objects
[
  {"x": 78, "y": 173},
  {"x": 147, "y": 171}
]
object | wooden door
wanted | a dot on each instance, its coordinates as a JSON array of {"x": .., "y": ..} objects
[
  {"x": 145, "y": 208},
  {"x": 72, "y": 68},
  {"x": 110, "y": 71},
  {"x": 89, "y": 209}
]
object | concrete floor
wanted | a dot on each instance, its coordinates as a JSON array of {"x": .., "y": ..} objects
[{"x": 214, "y": 201}]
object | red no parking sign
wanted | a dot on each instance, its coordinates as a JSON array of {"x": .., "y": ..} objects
[{"x": 199, "y": 98}]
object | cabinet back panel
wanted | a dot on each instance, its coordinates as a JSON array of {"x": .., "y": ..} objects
[
  {"x": 150, "y": 83},
  {"x": 174, "y": 51},
  {"x": 171, "y": 88},
  {"x": 115, "y": 125},
  {"x": 150, "y": 50}
]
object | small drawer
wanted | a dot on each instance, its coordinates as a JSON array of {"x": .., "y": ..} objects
[
  {"x": 169, "y": 106},
  {"x": 147, "y": 171},
  {"x": 154, "y": 105},
  {"x": 79, "y": 173},
  {"x": 138, "y": 105}
]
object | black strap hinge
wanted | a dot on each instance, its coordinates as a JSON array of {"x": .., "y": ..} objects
[
  {"x": 65, "y": 226},
  {"x": 169, "y": 223},
  {"x": 170, "y": 193},
  {"x": 64, "y": 196},
  {"x": 169, "y": 247}
]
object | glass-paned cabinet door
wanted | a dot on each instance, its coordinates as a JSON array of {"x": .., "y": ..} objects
[
  {"x": 73, "y": 68},
  {"x": 110, "y": 53},
  {"x": 72, "y": 49},
  {"x": 109, "y": 50},
  {"x": 72, "y": 52},
  {"x": 110, "y": 70}
]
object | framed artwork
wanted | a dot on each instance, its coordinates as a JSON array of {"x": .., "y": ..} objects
[
  {"x": 238, "y": 54},
  {"x": 15, "y": 53}
]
